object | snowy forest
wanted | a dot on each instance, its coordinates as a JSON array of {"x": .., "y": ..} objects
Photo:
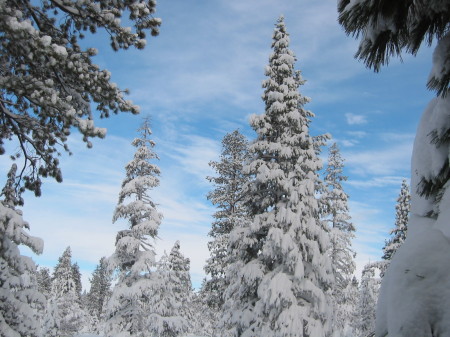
[{"x": 281, "y": 258}]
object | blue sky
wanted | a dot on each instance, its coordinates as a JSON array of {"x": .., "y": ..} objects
[{"x": 200, "y": 79}]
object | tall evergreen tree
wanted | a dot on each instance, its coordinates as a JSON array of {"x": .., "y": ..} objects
[
  {"x": 336, "y": 214},
  {"x": 204, "y": 322},
  {"x": 336, "y": 199},
  {"x": 229, "y": 182},
  {"x": 401, "y": 222},
  {"x": 51, "y": 320},
  {"x": 44, "y": 280},
  {"x": 348, "y": 307},
  {"x": 228, "y": 196},
  {"x": 20, "y": 300},
  {"x": 180, "y": 271},
  {"x": 100, "y": 290},
  {"x": 77, "y": 278},
  {"x": 63, "y": 280},
  {"x": 367, "y": 301},
  {"x": 134, "y": 255},
  {"x": 169, "y": 312},
  {"x": 99, "y": 293},
  {"x": 70, "y": 314},
  {"x": 281, "y": 269}
]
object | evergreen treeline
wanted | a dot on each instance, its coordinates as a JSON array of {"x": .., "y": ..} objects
[{"x": 281, "y": 259}]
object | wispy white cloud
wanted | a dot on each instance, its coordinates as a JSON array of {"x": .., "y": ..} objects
[
  {"x": 392, "y": 137},
  {"x": 386, "y": 160},
  {"x": 354, "y": 119},
  {"x": 355, "y": 138},
  {"x": 225, "y": 62},
  {"x": 343, "y": 142},
  {"x": 357, "y": 134},
  {"x": 191, "y": 154},
  {"x": 377, "y": 182},
  {"x": 347, "y": 142}
]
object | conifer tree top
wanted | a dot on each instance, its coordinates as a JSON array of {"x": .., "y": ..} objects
[
  {"x": 402, "y": 209},
  {"x": 281, "y": 267}
]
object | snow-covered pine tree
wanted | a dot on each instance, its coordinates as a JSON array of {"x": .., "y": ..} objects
[
  {"x": 228, "y": 197},
  {"x": 205, "y": 319},
  {"x": 401, "y": 222},
  {"x": 77, "y": 278},
  {"x": 338, "y": 219},
  {"x": 335, "y": 213},
  {"x": 228, "y": 184},
  {"x": 44, "y": 281},
  {"x": 134, "y": 256},
  {"x": 70, "y": 314},
  {"x": 169, "y": 313},
  {"x": 182, "y": 285},
  {"x": 281, "y": 268},
  {"x": 99, "y": 293},
  {"x": 63, "y": 278},
  {"x": 215, "y": 267},
  {"x": 20, "y": 300},
  {"x": 367, "y": 302},
  {"x": 50, "y": 322},
  {"x": 349, "y": 306}
]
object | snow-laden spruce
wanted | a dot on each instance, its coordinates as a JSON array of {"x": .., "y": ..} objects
[
  {"x": 179, "y": 267},
  {"x": 364, "y": 317},
  {"x": 335, "y": 214},
  {"x": 49, "y": 84},
  {"x": 134, "y": 256},
  {"x": 204, "y": 322},
  {"x": 402, "y": 210},
  {"x": 169, "y": 313},
  {"x": 44, "y": 281},
  {"x": 228, "y": 197},
  {"x": 21, "y": 303},
  {"x": 98, "y": 295},
  {"x": 68, "y": 313},
  {"x": 281, "y": 268},
  {"x": 77, "y": 278}
]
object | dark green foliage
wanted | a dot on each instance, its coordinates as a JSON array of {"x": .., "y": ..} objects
[{"x": 389, "y": 27}]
